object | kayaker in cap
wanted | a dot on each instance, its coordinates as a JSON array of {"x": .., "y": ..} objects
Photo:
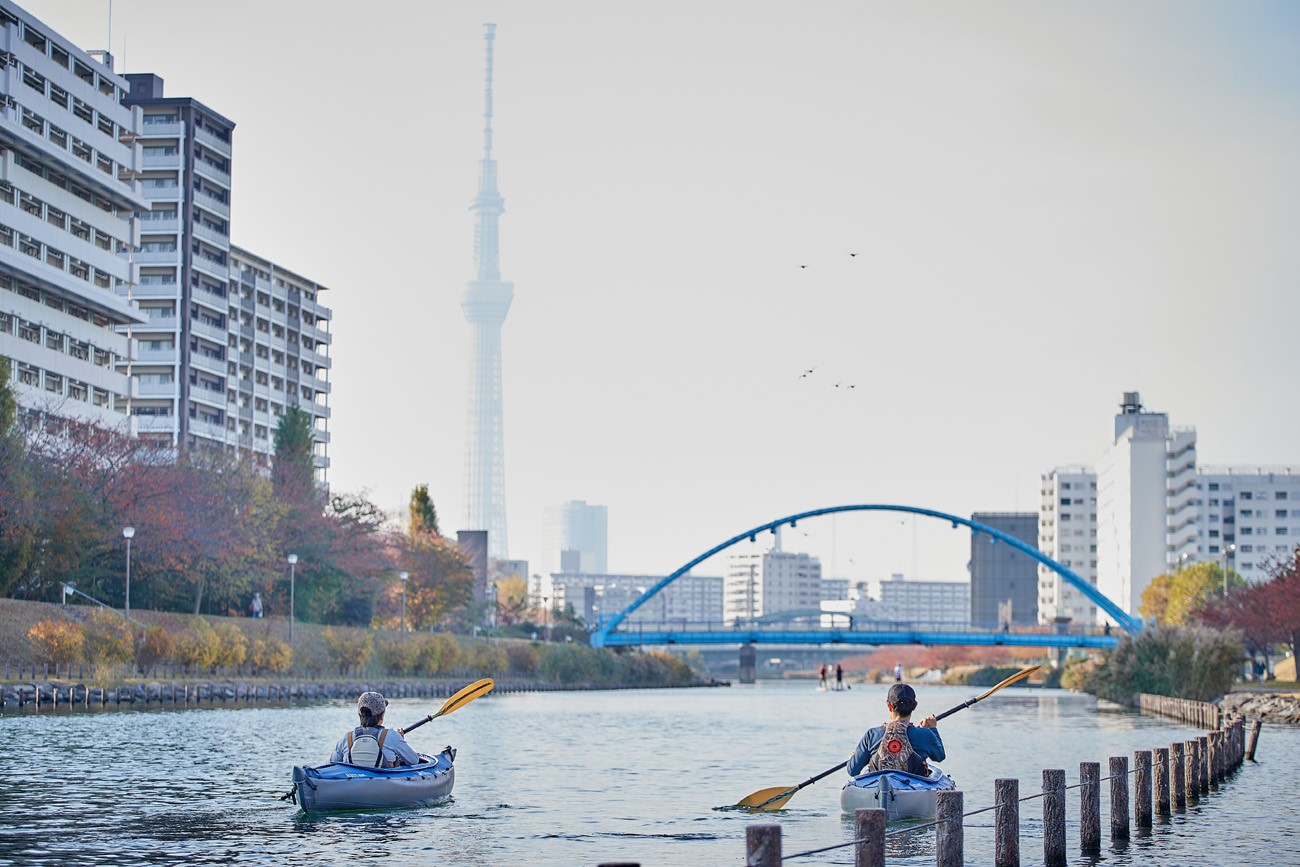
[
  {"x": 898, "y": 745},
  {"x": 370, "y": 744}
]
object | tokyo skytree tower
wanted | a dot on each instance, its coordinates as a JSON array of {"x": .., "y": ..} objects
[{"x": 485, "y": 302}]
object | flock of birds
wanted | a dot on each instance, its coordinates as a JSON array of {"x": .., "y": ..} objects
[{"x": 847, "y": 386}]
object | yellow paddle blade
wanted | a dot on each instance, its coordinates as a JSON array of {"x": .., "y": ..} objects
[
  {"x": 773, "y": 798},
  {"x": 1018, "y": 676},
  {"x": 477, "y": 689}
]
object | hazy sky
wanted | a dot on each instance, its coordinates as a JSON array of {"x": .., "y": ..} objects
[{"x": 1050, "y": 204}]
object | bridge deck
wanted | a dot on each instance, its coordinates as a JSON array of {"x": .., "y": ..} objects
[{"x": 874, "y": 633}]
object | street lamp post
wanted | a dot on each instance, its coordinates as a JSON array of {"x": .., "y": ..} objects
[
  {"x": 546, "y": 619},
  {"x": 403, "y": 576},
  {"x": 128, "y": 533},
  {"x": 293, "y": 562},
  {"x": 1227, "y": 552}
]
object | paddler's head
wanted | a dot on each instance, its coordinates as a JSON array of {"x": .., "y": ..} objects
[
  {"x": 371, "y": 707},
  {"x": 901, "y": 700}
]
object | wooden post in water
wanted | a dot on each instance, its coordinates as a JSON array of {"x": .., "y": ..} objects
[
  {"x": 1142, "y": 789},
  {"x": 1006, "y": 823},
  {"x": 869, "y": 830},
  {"x": 1193, "y": 763},
  {"x": 1162, "y": 781},
  {"x": 1119, "y": 824},
  {"x": 1203, "y": 763},
  {"x": 949, "y": 839},
  {"x": 1054, "y": 818},
  {"x": 1090, "y": 807},
  {"x": 1254, "y": 739},
  {"x": 763, "y": 846}
]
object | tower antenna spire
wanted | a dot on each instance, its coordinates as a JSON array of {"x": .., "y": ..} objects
[{"x": 489, "y": 36}]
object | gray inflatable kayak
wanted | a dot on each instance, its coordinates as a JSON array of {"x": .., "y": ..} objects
[{"x": 340, "y": 786}]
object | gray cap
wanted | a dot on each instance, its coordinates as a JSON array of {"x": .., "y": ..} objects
[{"x": 373, "y": 702}]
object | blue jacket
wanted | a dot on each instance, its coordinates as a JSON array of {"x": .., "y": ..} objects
[{"x": 925, "y": 742}]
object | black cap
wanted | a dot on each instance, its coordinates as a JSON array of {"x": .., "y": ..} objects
[{"x": 901, "y": 692}]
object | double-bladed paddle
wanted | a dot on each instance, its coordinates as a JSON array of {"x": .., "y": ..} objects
[
  {"x": 775, "y": 797},
  {"x": 464, "y": 696}
]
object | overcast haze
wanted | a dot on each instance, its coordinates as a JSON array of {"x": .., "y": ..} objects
[{"x": 1050, "y": 204}]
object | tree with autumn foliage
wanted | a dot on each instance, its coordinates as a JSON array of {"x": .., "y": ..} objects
[
  {"x": 1175, "y": 597},
  {"x": 1267, "y": 613},
  {"x": 440, "y": 582}
]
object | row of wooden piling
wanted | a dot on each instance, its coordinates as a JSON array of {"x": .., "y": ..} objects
[
  {"x": 1198, "y": 713},
  {"x": 1164, "y": 780}
]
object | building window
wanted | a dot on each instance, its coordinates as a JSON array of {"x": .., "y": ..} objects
[{"x": 1279, "y": 495}]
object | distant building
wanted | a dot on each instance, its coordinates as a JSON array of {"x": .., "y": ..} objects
[
  {"x": 69, "y": 191},
  {"x": 1067, "y": 532},
  {"x": 1146, "y": 502},
  {"x": 575, "y": 538},
  {"x": 897, "y": 599},
  {"x": 762, "y": 583},
  {"x": 1004, "y": 581},
  {"x": 1249, "y": 516},
  {"x": 689, "y": 599}
]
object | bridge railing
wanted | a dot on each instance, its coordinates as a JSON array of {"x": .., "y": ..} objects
[{"x": 748, "y": 626}]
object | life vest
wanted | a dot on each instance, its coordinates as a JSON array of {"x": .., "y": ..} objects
[
  {"x": 895, "y": 752},
  {"x": 365, "y": 749}
]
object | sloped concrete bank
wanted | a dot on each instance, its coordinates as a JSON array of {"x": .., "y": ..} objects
[{"x": 1271, "y": 707}]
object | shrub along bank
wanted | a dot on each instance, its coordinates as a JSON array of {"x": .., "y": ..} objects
[
  {"x": 103, "y": 645},
  {"x": 1193, "y": 662}
]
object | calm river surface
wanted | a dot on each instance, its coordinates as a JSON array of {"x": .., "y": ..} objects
[{"x": 579, "y": 778}]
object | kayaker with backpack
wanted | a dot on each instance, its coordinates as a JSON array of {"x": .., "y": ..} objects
[
  {"x": 371, "y": 744},
  {"x": 898, "y": 745}
]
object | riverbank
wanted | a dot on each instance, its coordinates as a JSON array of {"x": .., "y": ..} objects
[
  {"x": 189, "y": 693},
  {"x": 1271, "y": 707}
]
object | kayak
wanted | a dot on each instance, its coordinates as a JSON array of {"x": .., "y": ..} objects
[
  {"x": 340, "y": 786},
  {"x": 902, "y": 795}
]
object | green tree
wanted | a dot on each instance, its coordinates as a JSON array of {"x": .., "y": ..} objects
[
  {"x": 1193, "y": 662},
  {"x": 1176, "y": 597},
  {"x": 424, "y": 517},
  {"x": 293, "y": 471}
]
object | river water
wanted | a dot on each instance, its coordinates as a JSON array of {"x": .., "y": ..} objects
[{"x": 580, "y": 778}]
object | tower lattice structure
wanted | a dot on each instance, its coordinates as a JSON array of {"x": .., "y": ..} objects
[{"x": 485, "y": 303}]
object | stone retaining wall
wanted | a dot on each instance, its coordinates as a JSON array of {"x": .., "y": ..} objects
[{"x": 1271, "y": 707}]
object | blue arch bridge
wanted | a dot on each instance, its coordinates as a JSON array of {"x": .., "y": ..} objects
[{"x": 821, "y": 628}]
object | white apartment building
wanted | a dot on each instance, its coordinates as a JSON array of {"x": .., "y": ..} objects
[
  {"x": 761, "y": 583},
  {"x": 230, "y": 339},
  {"x": 68, "y": 195},
  {"x": 575, "y": 538},
  {"x": 1146, "y": 502},
  {"x": 1067, "y": 532},
  {"x": 689, "y": 599},
  {"x": 1249, "y": 516},
  {"x": 896, "y": 599}
]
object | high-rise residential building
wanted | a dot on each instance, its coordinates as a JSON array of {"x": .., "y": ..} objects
[
  {"x": 769, "y": 582},
  {"x": 1146, "y": 502},
  {"x": 485, "y": 303},
  {"x": 231, "y": 340},
  {"x": 1249, "y": 517},
  {"x": 69, "y": 190},
  {"x": 691, "y": 599},
  {"x": 575, "y": 538},
  {"x": 1003, "y": 580},
  {"x": 898, "y": 600},
  {"x": 1067, "y": 532}
]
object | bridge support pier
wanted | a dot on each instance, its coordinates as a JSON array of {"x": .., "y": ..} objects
[{"x": 748, "y": 662}]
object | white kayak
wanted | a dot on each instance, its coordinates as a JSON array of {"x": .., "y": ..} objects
[
  {"x": 340, "y": 786},
  {"x": 900, "y": 794}
]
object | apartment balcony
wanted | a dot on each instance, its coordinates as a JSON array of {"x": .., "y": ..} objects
[
  {"x": 210, "y": 139},
  {"x": 154, "y": 390},
  {"x": 155, "y": 423},
  {"x": 206, "y": 394},
  {"x": 161, "y": 161},
  {"x": 157, "y": 226},
  {"x": 211, "y": 172},
  {"x": 156, "y": 356},
  {"x": 213, "y": 204},
  {"x": 209, "y": 429},
  {"x": 210, "y": 363},
  {"x": 157, "y": 324},
  {"x": 210, "y": 235},
  {"x": 212, "y": 332},
  {"x": 160, "y": 130},
  {"x": 162, "y": 194},
  {"x": 214, "y": 269},
  {"x": 156, "y": 257},
  {"x": 212, "y": 299},
  {"x": 155, "y": 290}
]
